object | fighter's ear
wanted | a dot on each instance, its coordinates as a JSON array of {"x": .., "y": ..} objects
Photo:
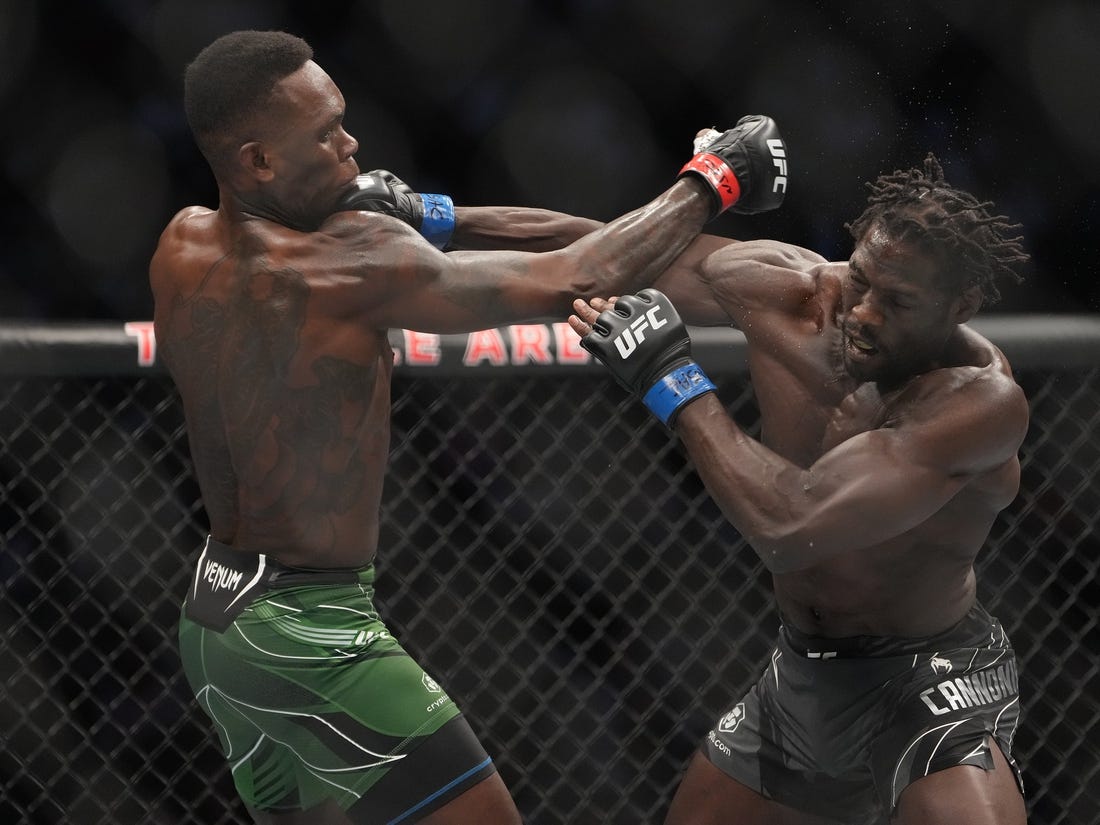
[
  {"x": 253, "y": 160},
  {"x": 968, "y": 303}
]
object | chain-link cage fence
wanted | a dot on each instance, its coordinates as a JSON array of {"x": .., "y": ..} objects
[{"x": 547, "y": 553}]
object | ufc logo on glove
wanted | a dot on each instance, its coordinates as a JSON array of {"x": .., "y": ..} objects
[
  {"x": 627, "y": 341},
  {"x": 779, "y": 160},
  {"x": 662, "y": 371}
]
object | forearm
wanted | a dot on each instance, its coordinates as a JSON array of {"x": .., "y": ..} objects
[
  {"x": 633, "y": 250},
  {"x": 762, "y": 494},
  {"x": 642, "y": 340},
  {"x": 516, "y": 227},
  {"x": 487, "y": 228},
  {"x": 792, "y": 517}
]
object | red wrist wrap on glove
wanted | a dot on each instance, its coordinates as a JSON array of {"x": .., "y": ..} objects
[{"x": 720, "y": 176}]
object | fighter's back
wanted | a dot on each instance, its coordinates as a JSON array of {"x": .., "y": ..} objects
[{"x": 286, "y": 396}]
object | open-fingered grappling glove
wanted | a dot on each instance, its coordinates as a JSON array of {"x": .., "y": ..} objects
[
  {"x": 645, "y": 345},
  {"x": 745, "y": 167},
  {"x": 433, "y": 216}
]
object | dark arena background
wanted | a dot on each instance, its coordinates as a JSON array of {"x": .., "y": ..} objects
[{"x": 548, "y": 552}]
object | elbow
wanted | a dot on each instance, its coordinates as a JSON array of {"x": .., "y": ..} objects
[
  {"x": 594, "y": 282},
  {"x": 592, "y": 273}
]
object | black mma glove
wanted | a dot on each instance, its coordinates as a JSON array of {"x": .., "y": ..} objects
[
  {"x": 433, "y": 216},
  {"x": 642, "y": 340},
  {"x": 745, "y": 166}
]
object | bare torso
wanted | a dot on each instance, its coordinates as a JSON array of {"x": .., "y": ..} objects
[
  {"x": 277, "y": 340},
  {"x": 286, "y": 393},
  {"x": 920, "y": 580}
]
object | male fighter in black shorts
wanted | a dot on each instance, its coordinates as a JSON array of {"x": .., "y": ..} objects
[
  {"x": 271, "y": 313},
  {"x": 888, "y": 446}
]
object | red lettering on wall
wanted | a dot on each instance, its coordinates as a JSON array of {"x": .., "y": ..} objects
[
  {"x": 421, "y": 348},
  {"x": 530, "y": 342},
  {"x": 568, "y": 345},
  {"x": 485, "y": 345},
  {"x": 146, "y": 341}
]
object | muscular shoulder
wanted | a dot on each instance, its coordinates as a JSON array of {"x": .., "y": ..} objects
[
  {"x": 188, "y": 223},
  {"x": 972, "y": 365},
  {"x": 765, "y": 277},
  {"x": 369, "y": 245},
  {"x": 974, "y": 412},
  {"x": 362, "y": 265},
  {"x": 366, "y": 229},
  {"x": 190, "y": 233},
  {"x": 770, "y": 253}
]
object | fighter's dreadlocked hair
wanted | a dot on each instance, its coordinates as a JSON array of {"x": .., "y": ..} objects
[{"x": 919, "y": 205}]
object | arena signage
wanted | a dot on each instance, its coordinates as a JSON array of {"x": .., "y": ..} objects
[
  {"x": 517, "y": 345},
  {"x": 510, "y": 346}
]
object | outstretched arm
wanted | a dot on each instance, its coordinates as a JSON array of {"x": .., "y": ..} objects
[
  {"x": 390, "y": 279},
  {"x": 745, "y": 169},
  {"x": 408, "y": 284},
  {"x": 515, "y": 227},
  {"x": 714, "y": 281},
  {"x": 542, "y": 230},
  {"x": 451, "y": 227}
]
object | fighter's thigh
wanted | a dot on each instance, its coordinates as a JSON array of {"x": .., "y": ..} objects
[
  {"x": 486, "y": 803},
  {"x": 707, "y": 796},
  {"x": 964, "y": 794}
]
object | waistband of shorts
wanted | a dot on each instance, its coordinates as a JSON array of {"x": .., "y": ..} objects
[
  {"x": 976, "y": 629},
  {"x": 274, "y": 574}
]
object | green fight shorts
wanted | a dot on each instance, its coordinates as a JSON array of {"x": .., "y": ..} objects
[
  {"x": 839, "y": 727},
  {"x": 313, "y": 699}
]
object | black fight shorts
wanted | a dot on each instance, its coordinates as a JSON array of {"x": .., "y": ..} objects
[{"x": 839, "y": 727}]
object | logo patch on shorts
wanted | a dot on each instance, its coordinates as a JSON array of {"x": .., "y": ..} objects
[
  {"x": 729, "y": 722},
  {"x": 940, "y": 665},
  {"x": 430, "y": 684},
  {"x": 225, "y": 583}
]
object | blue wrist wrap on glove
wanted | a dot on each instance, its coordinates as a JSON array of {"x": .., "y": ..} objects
[
  {"x": 675, "y": 389},
  {"x": 439, "y": 219}
]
